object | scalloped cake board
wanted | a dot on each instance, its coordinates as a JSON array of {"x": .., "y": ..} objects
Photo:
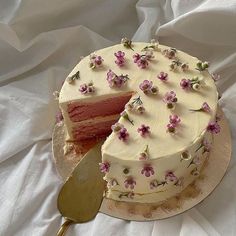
[{"x": 211, "y": 175}]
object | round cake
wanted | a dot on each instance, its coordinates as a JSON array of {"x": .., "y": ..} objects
[{"x": 155, "y": 105}]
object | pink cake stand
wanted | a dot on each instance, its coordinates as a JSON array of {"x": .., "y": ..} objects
[{"x": 211, "y": 175}]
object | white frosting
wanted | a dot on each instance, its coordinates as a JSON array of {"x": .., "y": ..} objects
[{"x": 164, "y": 149}]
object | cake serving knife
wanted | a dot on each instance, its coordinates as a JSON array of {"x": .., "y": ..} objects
[{"x": 81, "y": 196}]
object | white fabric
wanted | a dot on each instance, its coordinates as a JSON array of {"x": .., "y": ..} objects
[{"x": 40, "y": 42}]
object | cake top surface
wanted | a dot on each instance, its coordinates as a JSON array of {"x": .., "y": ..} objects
[{"x": 172, "y": 72}]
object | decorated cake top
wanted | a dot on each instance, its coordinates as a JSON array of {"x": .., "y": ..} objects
[{"x": 173, "y": 101}]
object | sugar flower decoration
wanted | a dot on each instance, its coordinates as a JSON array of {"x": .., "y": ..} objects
[
  {"x": 154, "y": 44},
  {"x": 213, "y": 127},
  {"x": 104, "y": 167},
  {"x": 71, "y": 79},
  {"x": 117, "y": 127},
  {"x": 59, "y": 117},
  {"x": 123, "y": 134},
  {"x": 135, "y": 105},
  {"x": 174, "y": 121},
  {"x": 127, "y": 43},
  {"x": 141, "y": 60},
  {"x": 206, "y": 145},
  {"x": 205, "y": 108},
  {"x": 95, "y": 61},
  {"x": 154, "y": 184},
  {"x": 120, "y": 58},
  {"x": 147, "y": 87},
  {"x": 215, "y": 77},
  {"x": 144, "y": 155},
  {"x": 184, "y": 67},
  {"x": 130, "y": 183},
  {"x": 125, "y": 115},
  {"x": 116, "y": 81},
  {"x": 87, "y": 88},
  {"x": 144, "y": 130},
  {"x": 169, "y": 53},
  {"x": 195, "y": 83},
  {"x": 170, "y": 176},
  {"x": 175, "y": 64},
  {"x": 201, "y": 66},
  {"x": 170, "y": 99},
  {"x": 195, "y": 172},
  {"x": 147, "y": 171},
  {"x": 163, "y": 76}
]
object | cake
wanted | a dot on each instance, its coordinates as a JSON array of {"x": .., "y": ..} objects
[{"x": 155, "y": 105}]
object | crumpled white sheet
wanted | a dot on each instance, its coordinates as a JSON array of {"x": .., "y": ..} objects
[{"x": 40, "y": 42}]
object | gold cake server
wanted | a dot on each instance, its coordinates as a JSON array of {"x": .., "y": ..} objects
[{"x": 81, "y": 196}]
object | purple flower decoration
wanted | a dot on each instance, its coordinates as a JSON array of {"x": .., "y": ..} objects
[
  {"x": 215, "y": 77},
  {"x": 95, "y": 61},
  {"x": 147, "y": 171},
  {"x": 146, "y": 86},
  {"x": 144, "y": 155},
  {"x": 213, "y": 127},
  {"x": 130, "y": 183},
  {"x": 123, "y": 134},
  {"x": 104, "y": 167},
  {"x": 169, "y": 53},
  {"x": 205, "y": 107},
  {"x": 170, "y": 176},
  {"x": 144, "y": 130},
  {"x": 87, "y": 88},
  {"x": 117, "y": 127},
  {"x": 115, "y": 80},
  {"x": 206, "y": 145},
  {"x": 141, "y": 60},
  {"x": 170, "y": 128},
  {"x": 120, "y": 58},
  {"x": 163, "y": 76},
  {"x": 170, "y": 97},
  {"x": 154, "y": 184},
  {"x": 174, "y": 120},
  {"x": 185, "y": 84},
  {"x": 59, "y": 117}
]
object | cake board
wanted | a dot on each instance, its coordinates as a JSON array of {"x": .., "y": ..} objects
[{"x": 211, "y": 175}]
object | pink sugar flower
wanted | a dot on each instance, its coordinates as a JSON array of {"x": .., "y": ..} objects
[
  {"x": 59, "y": 117},
  {"x": 147, "y": 170},
  {"x": 104, "y": 167},
  {"x": 130, "y": 183},
  {"x": 207, "y": 145},
  {"x": 163, "y": 76},
  {"x": 205, "y": 107},
  {"x": 146, "y": 86},
  {"x": 142, "y": 62},
  {"x": 185, "y": 84},
  {"x": 144, "y": 130},
  {"x": 95, "y": 61},
  {"x": 170, "y": 128},
  {"x": 170, "y": 176},
  {"x": 123, "y": 134},
  {"x": 136, "y": 57},
  {"x": 170, "y": 97},
  {"x": 213, "y": 127},
  {"x": 120, "y": 58},
  {"x": 115, "y": 80},
  {"x": 86, "y": 88},
  {"x": 174, "y": 120},
  {"x": 117, "y": 127},
  {"x": 215, "y": 77}
]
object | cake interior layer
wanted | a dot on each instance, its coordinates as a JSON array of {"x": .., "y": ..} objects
[
  {"x": 94, "y": 128},
  {"x": 79, "y": 111}
]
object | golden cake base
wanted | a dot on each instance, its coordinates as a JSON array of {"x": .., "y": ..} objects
[{"x": 211, "y": 175}]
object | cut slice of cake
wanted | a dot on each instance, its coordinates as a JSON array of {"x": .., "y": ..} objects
[{"x": 161, "y": 104}]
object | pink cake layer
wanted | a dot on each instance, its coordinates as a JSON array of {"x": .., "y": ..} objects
[
  {"x": 79, "y": 111},
  {"x": 90, "y": 130}
]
